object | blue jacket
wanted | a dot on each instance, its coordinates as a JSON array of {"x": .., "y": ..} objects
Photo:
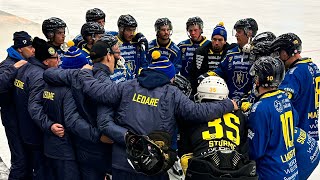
[
  {"x": 171, "y": 51},
  {"x": 187, "y": 48},
  {"x": 55, "y": 147},
  {"x": 7, "y": 74},
  {"x": 307, "y": 153},
  {"x": 81, "y": 112},
  {"x": 143, "y": 105},
  {"x": 271, "y": 136},
  {"x": 134, "y": 55},
  {"x": 302, "y": 82},
  {"x": 234, "y": 69},
  {"x": 29, "y": 85}
]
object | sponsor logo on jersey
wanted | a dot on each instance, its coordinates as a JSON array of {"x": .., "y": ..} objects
[{"x": 278, "y": 105}]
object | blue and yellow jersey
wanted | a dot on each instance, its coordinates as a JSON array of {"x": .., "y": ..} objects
[
  {"x": 234, "y": 69},
  {"x": 302, "y": 83},
  {"x": 271, "y": 136},
  {"x": 86, "y": 53},
  {"x": 171, "y": 51},
  {"x": 187, "y": 48},
  {"x": 307, "y": 153},
  {"x": 135, "y": 57}
]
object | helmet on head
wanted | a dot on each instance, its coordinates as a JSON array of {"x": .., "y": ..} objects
[
  {"x": 264, "y": 36},
  {"x": 127, "y": 21},
  {"x": 91, "y": 28},
  {"x": 194, "y": 21},
  {"x": 269, "y": 71},
  {"x": 183, "y": 84},
  {"x": 260, "y": 49},
  {"x": 109, "y": 39},
  {"x": 212, "y": 87},
  {"x": 150, "y": 154},
  {"x": 247, "y": 24},
  {"x": 94, "y": 15},
  {"x": 49, "y": 26},
  {"x": 162, "y": 22},
  {"x": 289, "y": 42}
]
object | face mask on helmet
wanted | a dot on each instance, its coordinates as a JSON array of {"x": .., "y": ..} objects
[
  {"x": 212, "y": 88},
  {"x": 150, "y": 154},
  {"x": 183, "y": 84}
]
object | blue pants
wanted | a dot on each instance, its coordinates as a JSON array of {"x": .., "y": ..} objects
[
  {"x": 36, "y": 162},
  {"x": 18, "y": 159},
  {"x": 63, "y": 169},
  {"x": 118, "y": 174},
  {"x": 93, "y": 166}
]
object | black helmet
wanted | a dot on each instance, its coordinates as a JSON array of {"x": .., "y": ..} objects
[
  {"x": 247, "y": 24},
  {"x": 103, "y": 46},
  {"x": 289, "y": 42},
  {"x": 194, "y": 21},
  {"x": 49, "y": 26},
  {"x": 269, "y": 71},
  {"x": 161, "y": 22},
  {"x": 183, "y": 84},
  {"x": 109, "y": 39},
  {"x": 94, "y": 15},
  {"x": 260, "y": 49},
  {"x": 264, "y": 36},
  {"x": 150, "y": 154},
  {"x": 127, "y": 21},
  {"x": 91, "y": 28}
]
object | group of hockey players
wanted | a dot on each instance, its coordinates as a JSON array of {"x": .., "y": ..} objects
[{"x": 110, "y": 104}]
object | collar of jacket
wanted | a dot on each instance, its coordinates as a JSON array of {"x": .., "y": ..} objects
[
  {"x": 150, "y": 78},
  {"x": 37, "y": 62},
  {"x": 100, "y": 67}
]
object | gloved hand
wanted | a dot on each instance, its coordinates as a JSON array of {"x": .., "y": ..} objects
[
  {"x": 207, "y": 74},
  {"x": 245, "y": 105},
  {"x": 120, "y": 62},
  {"x": 141, "y": 40}
]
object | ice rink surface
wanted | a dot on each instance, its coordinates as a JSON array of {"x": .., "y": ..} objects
[{"x": 300, "y": 17}]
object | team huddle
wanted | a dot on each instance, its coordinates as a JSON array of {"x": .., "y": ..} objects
[{"x": 113, "y": 105}]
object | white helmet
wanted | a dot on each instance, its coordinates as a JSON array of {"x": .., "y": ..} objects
[{"x": 212, "y": 87}]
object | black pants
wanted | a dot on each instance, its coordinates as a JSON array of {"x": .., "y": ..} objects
[{"x": 63, "y": 169}]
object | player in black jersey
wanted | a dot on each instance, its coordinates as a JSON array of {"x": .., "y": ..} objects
[{"x": 220, "y": 145}]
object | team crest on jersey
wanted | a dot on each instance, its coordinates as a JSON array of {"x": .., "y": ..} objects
[
  {"x": 311, "y": 70},
  {"x": 230, "y": 58},
  {"x": 131, "y": 65},
  {"x": 240, "y": 79},
  {"x": 183, "y": 50},
  {"x": 278, "y": 105}
]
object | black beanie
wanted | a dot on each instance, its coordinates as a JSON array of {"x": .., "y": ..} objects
[
  {"x": 43, "y": 50},
  {"x": 21, "y": 39}
]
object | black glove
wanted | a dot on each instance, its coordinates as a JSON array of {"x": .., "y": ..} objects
[{"x": 141, "y": 40}]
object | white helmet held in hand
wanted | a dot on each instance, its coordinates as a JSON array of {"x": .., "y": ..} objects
[{"x": 212, "y": 87}]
